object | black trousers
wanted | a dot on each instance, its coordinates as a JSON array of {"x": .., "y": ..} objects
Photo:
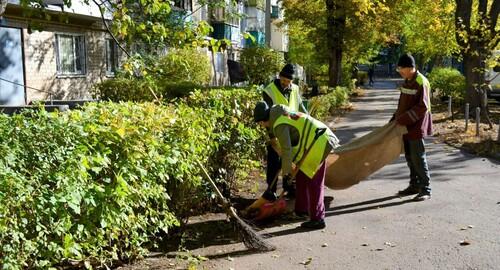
[{"x": 273, "y": 168}]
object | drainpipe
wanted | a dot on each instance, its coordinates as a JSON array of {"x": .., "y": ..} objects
[{"x": 267, "y": 22}]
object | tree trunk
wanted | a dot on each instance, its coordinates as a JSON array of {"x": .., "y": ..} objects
[
  {"x": 471, "y": 64},
  {"x": 335, "y": 31},
  {"x": 476, "y": 94}
]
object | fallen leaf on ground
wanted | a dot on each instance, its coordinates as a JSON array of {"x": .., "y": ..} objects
[
  {"x": 464, "y": 243},
  {"x": 308, "y": 261}
]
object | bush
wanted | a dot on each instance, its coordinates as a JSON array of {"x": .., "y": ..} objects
[
  {"x": 141, "y": 90},
  {"x": 125, "y": 89},
  {"x": 183, "y": 65},
  {"x": 105, "y": 181},
  {"x": 322, "y": 106},
  {"x": 175, "y": 75},
  {"x": 261, "y": 64},
  {"x": 448, "y": 82},
  {"x": 98, "y": 186},
  {"x": 102, "y": 183},
  {"x": 239, "y": 142}
]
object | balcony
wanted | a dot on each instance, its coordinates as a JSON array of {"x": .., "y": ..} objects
[
  {"x": 221, "y": 31},
  {"x": 260, "y": 39}
]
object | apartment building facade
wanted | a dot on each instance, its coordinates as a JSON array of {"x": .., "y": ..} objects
[{"x": 66, "y": 59}]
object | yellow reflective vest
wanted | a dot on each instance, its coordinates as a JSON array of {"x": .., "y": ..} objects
[
  {"x": 306, "y": 126},
  {"x": 274, "y": 93}
]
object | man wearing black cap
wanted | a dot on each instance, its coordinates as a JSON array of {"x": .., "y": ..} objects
[
  {"x": 414, "y": 112},
  {"x": 280, "y": 91}
]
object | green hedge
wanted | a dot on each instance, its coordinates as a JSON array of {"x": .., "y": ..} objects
[
  {"x": 140, "y": 90},
  {"x": 103, "y": 183},
  {"x": 323, "y": 106},
  {"x": 174, "y": 75},
  {"x": 240, "y": 143},
  {"x": 96, "y": 184},
  {"x": 261, "y": 64},
  {"x": 447, "y": 82}
]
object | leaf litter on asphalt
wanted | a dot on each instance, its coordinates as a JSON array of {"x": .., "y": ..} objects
[
  {"x": 307, "y": 262},
  {"x": 464, "y": 243}
]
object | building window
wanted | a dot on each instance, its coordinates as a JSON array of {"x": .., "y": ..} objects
[
  {"x": 70, "y": 54},
  {"x": 111, "y": 57},
  {"x": 183, "y": 4}
]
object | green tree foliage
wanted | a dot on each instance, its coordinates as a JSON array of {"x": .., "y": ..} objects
[
  {"x": 477, "y": 35},
  {"x": 427, "y": 28},
  {"x": 261, "y": 64},
  {"x": 341, "y": 31}
]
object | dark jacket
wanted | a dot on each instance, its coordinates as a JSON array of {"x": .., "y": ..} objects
[{"x": 414, "y": 107}]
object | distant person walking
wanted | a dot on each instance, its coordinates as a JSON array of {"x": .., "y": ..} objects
[{"x": 371, "y": 71}]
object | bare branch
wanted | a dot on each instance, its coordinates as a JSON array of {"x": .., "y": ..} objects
[
  {"x": 494, "y": 12},
  {"x": 109, "y": 30},
  {"x": 191, "y": 13}
]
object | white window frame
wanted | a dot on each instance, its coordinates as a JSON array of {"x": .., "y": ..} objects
[{"x": 83, "y": 55}]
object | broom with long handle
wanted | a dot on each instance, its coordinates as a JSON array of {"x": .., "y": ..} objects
[{"x": 249, "y": 236}]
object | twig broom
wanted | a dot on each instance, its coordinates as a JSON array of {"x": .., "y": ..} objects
[{"x": 249, "y": 236}]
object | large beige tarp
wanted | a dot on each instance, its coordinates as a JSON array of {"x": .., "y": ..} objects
[{"x": 356, "y": 160}]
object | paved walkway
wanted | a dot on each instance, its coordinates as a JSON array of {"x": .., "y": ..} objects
[{"x": 369, "y": 228}]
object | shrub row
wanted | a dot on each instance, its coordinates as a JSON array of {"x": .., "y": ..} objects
[
  {"x": 447, "y": 82},
  {"x": 324, "y": 105},
  {"x": 102, "y": 183}
]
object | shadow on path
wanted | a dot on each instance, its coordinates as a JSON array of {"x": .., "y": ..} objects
[{"x": 336, "y": 211}]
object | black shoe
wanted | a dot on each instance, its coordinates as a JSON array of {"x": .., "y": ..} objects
[
  {"x": 314, "y": 224},
  {"x": 410, "y": 190},
  {"x": 422, "y": 196}
]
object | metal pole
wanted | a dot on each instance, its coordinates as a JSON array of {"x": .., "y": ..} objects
[
  {"x": 449, "y": 106},
  {"x": 478, "y": 119},
  {"x": 267, "y": 21},
  {"x": 466, "y": 116}
]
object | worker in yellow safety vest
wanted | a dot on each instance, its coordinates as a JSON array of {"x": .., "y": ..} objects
[
  {"x": 305, "y": 142},
  {"x": 280, "y": 91}
]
